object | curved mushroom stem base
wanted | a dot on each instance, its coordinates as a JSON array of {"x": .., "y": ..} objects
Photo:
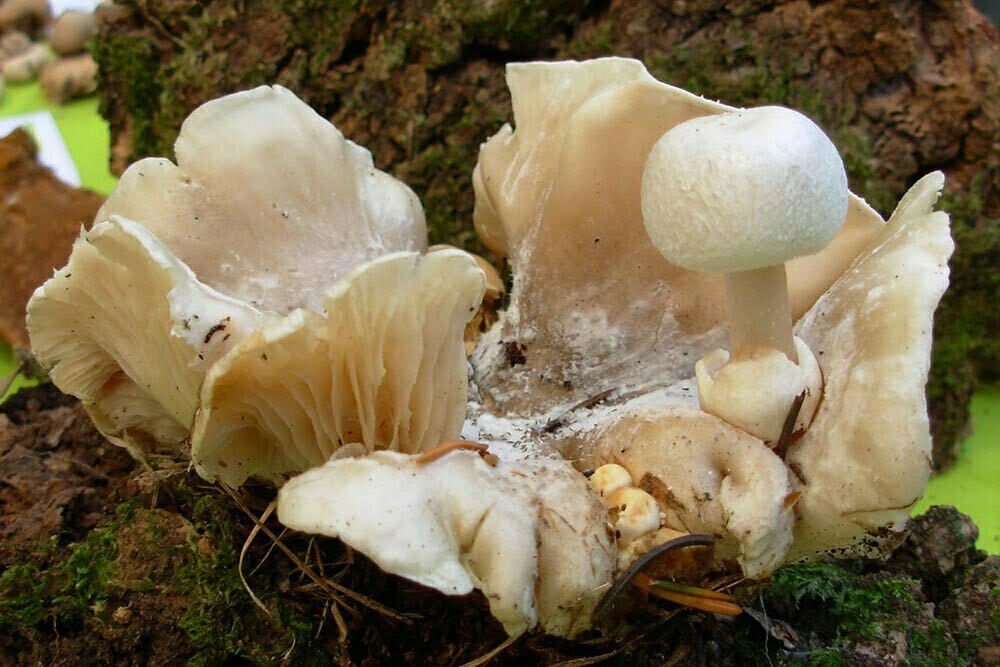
[
  {"x": 759, "y": 312},
  {"x": 756, "y": 393}
]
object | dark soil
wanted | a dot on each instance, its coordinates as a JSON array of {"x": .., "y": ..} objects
[
  {"x": 40, "y": 216},
  {"x": 101, "y": 561},
  {"x": 903, "y": 88}
]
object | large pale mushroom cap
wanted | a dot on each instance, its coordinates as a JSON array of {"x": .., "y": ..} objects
[
  {"x": 530, "y": 535},
  {"x": 595, "y": 358},
  {"x": 268, "y": 202},
  {"x": 267, "y": 207}
]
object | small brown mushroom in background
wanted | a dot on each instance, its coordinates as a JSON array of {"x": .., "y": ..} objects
[
  {"x": 13, "y": 43},
  {"x": 71, "y": 32},
  {"x": 30, "y": 16},
  {"x": 28, "y": 64},
  {"x": 68, "y": 78}
]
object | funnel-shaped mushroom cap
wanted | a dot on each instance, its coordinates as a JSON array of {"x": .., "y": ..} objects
[
  {"x": 385, "y": 367},
  {"x": 268, "y": 203},
  {"x": 865, "y": 460},
  {"x": 530, "y": 535},
  {"x": 708, "y": 477},
  {"x": 267, "y": 208},
  {"x": 560, "y": 197},
  {"x": 128, "y": 329}
]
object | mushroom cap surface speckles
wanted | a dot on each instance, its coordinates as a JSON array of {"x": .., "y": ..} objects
[
  {"x": 385, "y": 367},
  {"x": 129, "y": 330},
  {"x": 865, "y": 460},
  {"x": 559, "y": 196},
  {"x": 268, "y": 202},
  {"x": 530, "y": 535},
  {"x": 743, "y": 190}
]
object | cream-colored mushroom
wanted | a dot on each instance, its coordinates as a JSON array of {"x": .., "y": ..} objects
[
  {"x": 68, "y": 78},
  {"x": 128, "y": 329},
  {"x": 530, "y": 535},
  {"x": 634, "y": 513},
  {"x": 741, "y": 193},
  {"x": 267, "y": 208},
  {"x": 26, "y": 65},
  {"x": 610, "y": 477},
  {"x": 384, "y": 367}
]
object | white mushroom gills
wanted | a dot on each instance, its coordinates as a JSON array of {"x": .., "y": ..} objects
[{"x": 741, "y": 193}]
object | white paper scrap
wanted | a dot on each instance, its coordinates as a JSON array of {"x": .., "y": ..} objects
[{"x": 52, "y": 151}]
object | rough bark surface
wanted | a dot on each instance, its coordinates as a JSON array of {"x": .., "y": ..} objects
[
  {"x": 903, "y": 87},
  {"x": 40, "y": 216}
]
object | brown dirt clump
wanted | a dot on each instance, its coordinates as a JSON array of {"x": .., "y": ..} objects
[{"x": 40, "y": 216}]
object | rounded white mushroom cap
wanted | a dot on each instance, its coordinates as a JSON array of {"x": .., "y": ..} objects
[{"x": 743, "y": 190}]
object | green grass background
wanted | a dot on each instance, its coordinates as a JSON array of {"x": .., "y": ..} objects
[{"x": 971, "y": 485}]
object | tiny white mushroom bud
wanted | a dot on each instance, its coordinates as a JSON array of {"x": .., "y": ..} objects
[
  {"x": 609, "y": 478},
  {"x": 741, "y": 193},
  {"x": 636, "y": 513}
]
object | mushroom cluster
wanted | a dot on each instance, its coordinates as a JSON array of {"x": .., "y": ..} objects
[
  {"x": 63, "y": 66},
  {"x": 602, "y": 416}
]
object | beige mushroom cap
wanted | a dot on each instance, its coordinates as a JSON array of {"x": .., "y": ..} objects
[
  {"x": 268, "y": 202},
  {"x": 71, "y": 31},
  {"x": 530, "y": 535},
  {"x": 707, "y": 476},
  {"x": 126, "y": 328},
  {"x": 385, "y": 367},
  {"x": 266, "y": 209}
]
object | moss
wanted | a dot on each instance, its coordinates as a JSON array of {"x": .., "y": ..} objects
[
  {"x": 221, "y": 620},
  {"x": 22, "y": 597},
  {"x": 135, "y": 62},
  {"x": 518, "y": 26},
  {"x": 849, "y": 609}
]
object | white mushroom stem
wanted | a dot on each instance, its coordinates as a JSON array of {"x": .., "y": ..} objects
[{"x": 759, "y": 312}]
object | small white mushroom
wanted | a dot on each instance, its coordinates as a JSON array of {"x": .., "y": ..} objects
[
  {"x": 634, "y": 512},
  {"x": 741, "y": 193},
  {"x": 610, "y": 477}
]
